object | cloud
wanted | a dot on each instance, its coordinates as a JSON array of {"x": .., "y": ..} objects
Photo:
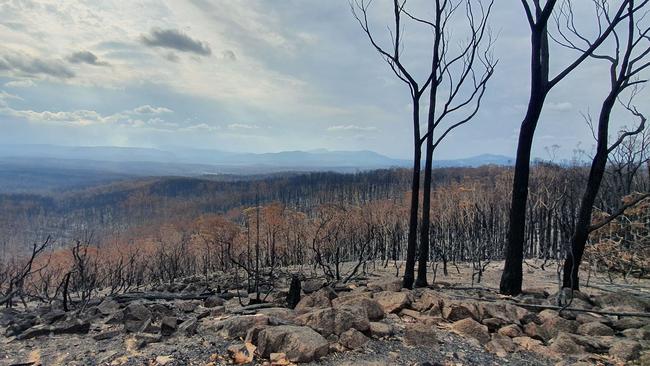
[
  {"x": 340, "y": 128},
  {"x": 242, "y": 126},
  {"x": 85, "y": 57},
  {"x": 176, "y": 40},
  {"x": 4, "y": 96},
  {"x": 143, "y": 116},
  {"x": 78, "y": 117},
  {"x": 147, "y": 109},
  {"x": 229, "y": 55},
  {"x": 560, "y": 106},
  {"x": 25, "y": 83},
  {"x": 172, "y": 57},
  {"x": 23, "y": 64},
  {"x": 200, "y": 127}
]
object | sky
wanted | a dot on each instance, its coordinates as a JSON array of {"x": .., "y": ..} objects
[{"x": 261, "y": 76}]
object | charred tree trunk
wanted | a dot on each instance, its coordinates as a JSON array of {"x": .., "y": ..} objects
[
  {"x": 512, "y": 277},
  {"x": 581, "y": 233},
  {"x": 409, "y": 271}
]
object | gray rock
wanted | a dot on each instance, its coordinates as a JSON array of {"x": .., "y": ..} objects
[
  {"x": 625, "y": 350},
  {"x": 213, "y": 301},
  {"x": 336, "y": 321},
  {"x": 189, "y": 326},
  {"x": 238, "y": 326},
  {"x": 353, "y": 339},
  {"x": 168, "y": 325},
  {"x": 371, "y": 306},
  {"x": 300, "y": 344},
  {"x": 380, "y": 330},
  {"x": 392, "y": 302},
  {"x": 317, "y": 300},
  {"x": 595, "y": 329},
  {"x": 420, "y": 335},
  {"x": 565, "y": 345},
  {"x": 471, "y": 328},
  {"x": 108, "y": 306}
]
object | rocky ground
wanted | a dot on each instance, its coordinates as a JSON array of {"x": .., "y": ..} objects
[{"x": 370, "y": 321}]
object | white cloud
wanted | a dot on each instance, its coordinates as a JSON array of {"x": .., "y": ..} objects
[
  {"x": 25, "y": 83},
  {"x": 147, "y": 109},
  {"x": 340, "y": 128},
  {"x": 242, "y": 126}
]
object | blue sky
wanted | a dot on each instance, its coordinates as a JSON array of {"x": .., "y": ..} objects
[{"x": 256, "y": 76}]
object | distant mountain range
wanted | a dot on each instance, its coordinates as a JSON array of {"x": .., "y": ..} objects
[{"x": 185, "y": 161}]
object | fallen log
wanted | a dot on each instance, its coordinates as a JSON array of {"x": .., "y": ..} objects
[
  {"x": 167, "y": 296},
  {"x": 250, "y": 308}
]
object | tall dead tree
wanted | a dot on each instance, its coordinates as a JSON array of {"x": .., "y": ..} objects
[
  {"x": 538, "y": 14},
  {"x": 392, "y": 57},
  {"x": 458, "y": 82},
  {"x": 628, "y": 59}
]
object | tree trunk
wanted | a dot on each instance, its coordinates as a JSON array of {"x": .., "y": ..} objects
[
  {"x": 409, "y": 271},
  {"x": 581, "y": 234},
  {"x": 512, "y": 277}
]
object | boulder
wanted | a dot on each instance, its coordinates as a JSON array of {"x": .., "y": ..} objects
[
  {"x": 638, "y": 334},
  {"x": 420, "y": 335},
  {"x": 299, "y": 344},
  {"x": 546, "y": 314},
  {"x": 380, "y": 330},
  {"x": 317, "y": 300},
  {"x": 189, "y": 326},
  {"x": 74, "y": 326},
  {"x": 143, "y": 339},
  {"x": 527, "y": 343},
  {"x": 508, "y": 313},
  {"x": 593, "y": 344},
  {"x": 431, "y": 301},
  {"x": 553, "y": 326},
  {"x": 393, "y": 285},
  {"x": 213, "y": 301},
  {"x": 53, "y": 316},
  {"x": 186, "y": 306},
  {"x": 537, "y": 332},
  {"x": 108, "y": 306},
  {"x": 511, "y": 331},
  {"x": 392, "y": 302},
  {"x": 458, "y": 310},
  {"x": 628, "y": 323},
  {"x": 371, "y": 306},
  {"x": 500, "y": 345},
  {"x": 160, "y": 310},
  {"x": 625, "y": 350},
  {"x": 288, "y": 315},
  {"x": 595, "y": 329},
  {"x": 135, "y": 317},
  {"x": 313, "y": 285},
  {"x": 237, "y": 326},
  {"x": 353, "y": 339},
  {"x": 137, "y": 312},
  {"x": 565, "y": 345},
  {"x": 336, "y": 320},
  {"x": 494, "y": 324},
  {"x": 471, "y": 328},
  {"x": 168, "y": 325},
  {"x": 621, "y": 301},
  {"x": 563, "y": 297}
]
